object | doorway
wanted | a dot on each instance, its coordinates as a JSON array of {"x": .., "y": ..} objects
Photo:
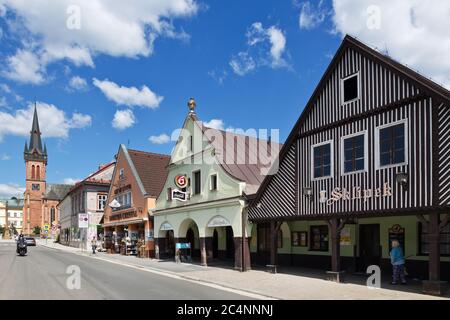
[
  {"x": 369, "y": 246},
  {"x": 229, "y": 243},
  {"x": 215, "y": 244},
  {"x": 170, "y": 244}
]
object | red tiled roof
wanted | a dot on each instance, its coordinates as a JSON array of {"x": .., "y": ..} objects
[
  {"x": 245, "y": 158},
  {"x": 152, "y": 170}
]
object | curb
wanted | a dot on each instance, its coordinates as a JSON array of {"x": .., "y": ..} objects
[{"x": 174, "y": 274}]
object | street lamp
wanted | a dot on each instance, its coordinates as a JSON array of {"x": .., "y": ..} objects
[
  {"x": 402, "y": 179},
  {"x": 307, "y": 192}
]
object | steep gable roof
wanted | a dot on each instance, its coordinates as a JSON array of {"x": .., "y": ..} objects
[
  {"x": 57, "y": 191},
  {"x": 235, "y": 153},
  {"x": 150, "y": 170},
  {"x": 426, "y": 85}
]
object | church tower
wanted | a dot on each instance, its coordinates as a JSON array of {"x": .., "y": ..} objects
[{"x": 35, "y": 156}]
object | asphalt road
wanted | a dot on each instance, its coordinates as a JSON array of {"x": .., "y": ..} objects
[{"x": 42, "y": 275}]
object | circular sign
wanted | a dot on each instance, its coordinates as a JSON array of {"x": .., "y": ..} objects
[{"x": 181, "y": 181}]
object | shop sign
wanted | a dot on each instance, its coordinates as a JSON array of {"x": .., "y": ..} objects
[
  {"x": 346, "y": 239},
  {"x": 219, "y": 221},
  {"x": 179, "y": 195},
  {"x": 181, "y": 181},
  {"x": 182, "y": 245},
  {"x": 356, "y": 193},
  {"x": 166, "y": 226}
]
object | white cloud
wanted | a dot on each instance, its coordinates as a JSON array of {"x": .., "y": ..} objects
[
  {"x": 310, "y": 16},
  {"x": 242, "y": 63},
  {"x": 265, "y": 47},
  {"x": 128, "y": 96},
  {"x": 219, "y": 76},
  {"x": 5, "y": 157},
  {"x": 215, "y": 124},
  {"x": 278, "y": 45},
  {"x": 10, "y": 190},
  {"x": 53, "y": 121},
  {"x": 77, "y": 83},
  {"x": 77, "y": 30},
  {"x": 71, "y": 181},
  {"x": 3, "y": 102},
  {"x": 80, "y": 120},
  {"x": 24, "y": 67},
  {"x": 123, "y": 119},
  {"x": 160, "y": 139},
  {"x": 415, "y": 32},
  {"x": 4, "y": 87}
]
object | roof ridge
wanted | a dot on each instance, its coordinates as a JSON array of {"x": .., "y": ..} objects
[{"x": 149, "y": 153}]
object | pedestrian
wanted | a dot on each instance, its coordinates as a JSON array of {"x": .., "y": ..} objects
[
  {"x": 398, "y": 263},
  {"x": 94, "y": 245}
]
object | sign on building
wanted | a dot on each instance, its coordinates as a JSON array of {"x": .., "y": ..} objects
[
  {"x": 179, "y": 195},
  {"x": 83, "y": 220}
]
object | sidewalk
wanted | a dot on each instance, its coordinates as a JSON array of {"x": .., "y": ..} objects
[{"x": 301, "y": 284}]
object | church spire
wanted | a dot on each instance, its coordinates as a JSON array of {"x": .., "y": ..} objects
[{"x": 35, "y": 150}]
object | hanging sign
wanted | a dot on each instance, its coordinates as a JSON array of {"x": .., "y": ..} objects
[
  {"x": 181, "y": 181},
  {"x": 179, "y": 195}
]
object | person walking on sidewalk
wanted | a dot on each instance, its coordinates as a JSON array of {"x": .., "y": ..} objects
[
  {"x": 398, "y": 263},
  {"x": 94, "y": 245}
]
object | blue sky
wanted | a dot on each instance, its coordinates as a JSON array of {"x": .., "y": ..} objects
[{"x": 248, "y": 65}]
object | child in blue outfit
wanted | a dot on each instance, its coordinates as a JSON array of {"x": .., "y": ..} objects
[{"x": 398, "y": 263}]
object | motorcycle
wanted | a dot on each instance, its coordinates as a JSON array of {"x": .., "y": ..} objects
[{"x": 22, "y": 249}]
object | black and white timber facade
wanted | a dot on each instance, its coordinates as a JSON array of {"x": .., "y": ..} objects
[{"x": 373, "y": 141}]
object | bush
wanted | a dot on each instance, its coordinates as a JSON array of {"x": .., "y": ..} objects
[{"x": 37, "y": 230}]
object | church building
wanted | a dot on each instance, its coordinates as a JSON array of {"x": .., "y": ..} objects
[{"x": 41, "y": 199}]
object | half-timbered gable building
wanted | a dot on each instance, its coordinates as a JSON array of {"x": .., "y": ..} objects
[{"x": 367, "y": 161}]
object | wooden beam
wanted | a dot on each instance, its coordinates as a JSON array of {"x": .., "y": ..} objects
[
  {"x": 422, "y": 219},
  {"x": 444, "y": 222}
]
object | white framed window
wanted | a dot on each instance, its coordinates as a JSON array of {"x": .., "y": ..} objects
[
  {"x": 354, "y": 153},
  {"x": 322, "y": 160},
  {"x": 391, "y": 144},
  {"x": 213, "y": 182},
  {"x": 121, "y": 173},
  {"x": 350, "y": 88},
  {"x": 101, "y": 201}
]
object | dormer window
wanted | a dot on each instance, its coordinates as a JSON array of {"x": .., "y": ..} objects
[{"x": 350, "y": 88}]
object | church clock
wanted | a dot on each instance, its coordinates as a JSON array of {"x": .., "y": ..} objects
[{"x": 35, "y": 186}]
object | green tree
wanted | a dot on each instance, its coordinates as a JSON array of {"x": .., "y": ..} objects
[{"x": 37, "y": 230}]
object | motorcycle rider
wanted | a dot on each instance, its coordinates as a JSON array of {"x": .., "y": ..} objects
[{"x": 21, "y": 241}]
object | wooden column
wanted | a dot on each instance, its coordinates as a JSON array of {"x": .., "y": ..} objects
[
  {"x": 335, "y": 246},
  {"x": 336, "y": 225},
  {"x": 434, "y": 285},
  {"x": 274, "y": 228},
  {"x": 434, "y": 263}
]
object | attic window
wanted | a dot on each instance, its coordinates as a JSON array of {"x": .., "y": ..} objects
[{"x": 350, "y": 88}]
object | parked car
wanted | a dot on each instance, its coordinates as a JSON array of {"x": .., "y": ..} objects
[{"x": 30, "y": 241}]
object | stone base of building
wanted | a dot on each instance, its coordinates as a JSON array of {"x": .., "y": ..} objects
[
  {"x": 437, "y": 288},
  {"x": 336, "y": 276}
]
